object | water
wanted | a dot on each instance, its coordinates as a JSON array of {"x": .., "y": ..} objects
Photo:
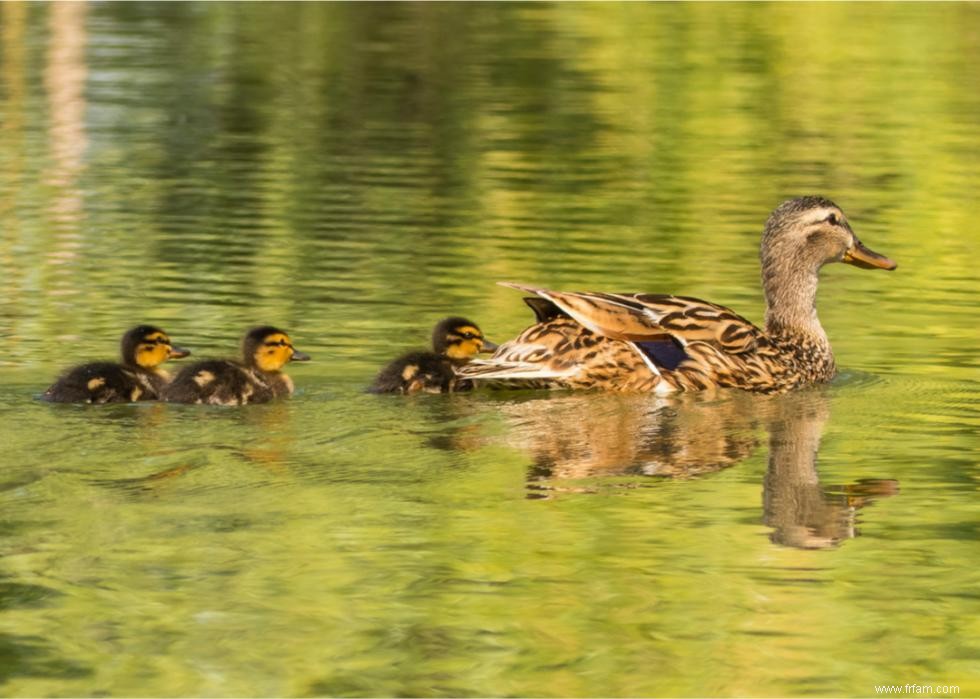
[{"x": 354, "y": 173}]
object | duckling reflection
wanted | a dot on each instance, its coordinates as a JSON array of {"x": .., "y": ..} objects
[
  {"x": 578, "y": 437},
  {"x": 268, "y": 453}
]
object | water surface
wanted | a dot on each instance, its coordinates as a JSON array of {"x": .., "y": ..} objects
[{"x": 354, "y": 173}]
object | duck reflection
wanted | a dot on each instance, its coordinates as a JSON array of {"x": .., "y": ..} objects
[
  {"x": 586, "y": 436},
  {"x": 802, "y": 512}
]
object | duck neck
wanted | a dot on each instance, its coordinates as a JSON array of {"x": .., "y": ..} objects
[{"x": 791, "y": 311}]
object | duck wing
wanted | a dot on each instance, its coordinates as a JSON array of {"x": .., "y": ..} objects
[
  {"x": 561, "y": 353},
  {"x": 653, "y": 318}
]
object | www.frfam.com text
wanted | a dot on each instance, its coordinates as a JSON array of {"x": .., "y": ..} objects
[{"x": 924, "y": 689}]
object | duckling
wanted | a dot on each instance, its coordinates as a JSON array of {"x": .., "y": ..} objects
[
  {"x": 138, "y": 377},
  {"x": 455, "y": 341},
  {"x": 256, "y": 379}
]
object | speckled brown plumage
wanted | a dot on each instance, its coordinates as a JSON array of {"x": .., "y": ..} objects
[{"x": 664, "y": 343}]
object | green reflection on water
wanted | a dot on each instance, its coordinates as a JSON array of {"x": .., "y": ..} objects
[{"x": 355, "y": 172}]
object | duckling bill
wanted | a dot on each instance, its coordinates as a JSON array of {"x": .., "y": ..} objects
[
  {"x": 257, "y": 378},
  {"x": 138, "y": 377},
  {"x": 455, "y": 341}
]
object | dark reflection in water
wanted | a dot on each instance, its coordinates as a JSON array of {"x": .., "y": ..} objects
[
  {"x": 13, "y": 594},
  {"x": 32, "y": 656},
  {"x": 589, "y": 436}
]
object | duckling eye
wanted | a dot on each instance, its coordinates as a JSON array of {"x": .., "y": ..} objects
[{"x": 833, "y": 220}]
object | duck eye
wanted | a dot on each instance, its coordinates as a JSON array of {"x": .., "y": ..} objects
[{"x": 833, "y": 220}]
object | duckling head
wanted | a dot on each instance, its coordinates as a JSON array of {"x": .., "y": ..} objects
[
  {"x": 809, "y": 232},
  {"x": 459, "y": 339},
  {"x": 148, "y": 347},
  {"x": 270, "y": 349}
]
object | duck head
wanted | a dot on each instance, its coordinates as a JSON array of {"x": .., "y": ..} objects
[
  {"x": 459, "y": 339},
  {"x": 148, "y": 347},
  {"x": 270, "y": 349},
  {"x": 801, "y": 236},
  {"x": 810, "y": 232}
]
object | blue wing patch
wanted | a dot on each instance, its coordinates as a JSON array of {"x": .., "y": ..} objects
[{"x": 666, "y": 353}]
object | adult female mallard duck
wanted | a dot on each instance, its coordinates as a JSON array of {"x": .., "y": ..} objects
[
  {"x": 143, "y": 348},
  {"x": 258, "y": 378},
  {"x": 664, "y": 343},
  {"x": 455, "y": 341}
]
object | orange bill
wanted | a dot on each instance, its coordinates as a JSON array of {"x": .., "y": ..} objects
[{"x": 860, "y": 256}]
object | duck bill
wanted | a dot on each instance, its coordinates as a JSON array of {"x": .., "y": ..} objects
[
  {"x": 179, "y": 352},
  {"x": 488, "y": 347},
  {"x": 860, "y": 256},
  {"x": 299, "y": 357}
]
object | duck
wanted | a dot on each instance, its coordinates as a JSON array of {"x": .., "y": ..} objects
[
  {"x": 257, "y": 378},
  {"x": 662, "y": 343},
  {"x": 455, "y": 341},
  {"x": 137, "y": 377}
]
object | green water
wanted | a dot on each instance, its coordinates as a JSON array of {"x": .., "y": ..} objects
[{"x": 354, "y": 173}]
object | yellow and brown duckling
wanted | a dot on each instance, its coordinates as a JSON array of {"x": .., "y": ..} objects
[
  {"x": 258, "y": 378},
  {"x": 455, "y": 341},
  {"x": 137, "y": 377},
  {"x": 663, "y": 343}
]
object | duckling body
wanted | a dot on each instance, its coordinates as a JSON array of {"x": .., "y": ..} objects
[
  {"x": 256, "y": 379},
  {"x": 663, "y": 343},
  {"x": 138, "y": 377},
  {"x": 455, "y": 341},
  {"x": 226, "y": 382},
  {"x": 105, "y": 382},
  {"x": 417, "y": 372}
]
